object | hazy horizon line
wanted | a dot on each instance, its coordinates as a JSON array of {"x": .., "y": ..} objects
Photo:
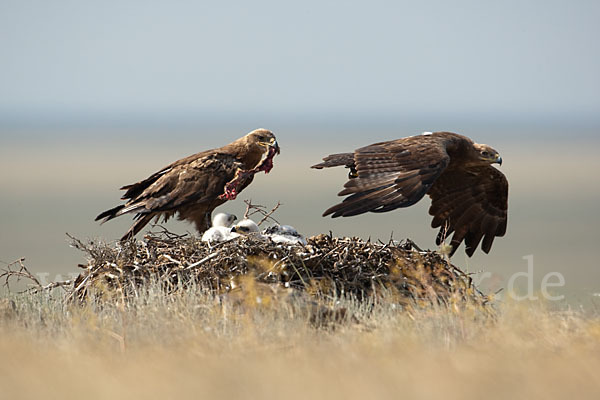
[{"x": 344, "y": 119}]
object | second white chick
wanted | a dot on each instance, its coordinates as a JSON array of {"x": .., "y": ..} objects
[{"x": 244, "y": 227}]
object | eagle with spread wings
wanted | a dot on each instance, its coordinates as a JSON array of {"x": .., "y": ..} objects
[
  {"x": 194, "y": 186},
  {"x": 469, "y": 197}
]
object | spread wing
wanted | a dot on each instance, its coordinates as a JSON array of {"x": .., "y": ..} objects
[
  {"x": 472, "y": 203},
  {"x": 388, "y": 175}
]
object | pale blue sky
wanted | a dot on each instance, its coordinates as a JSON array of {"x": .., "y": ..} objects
[{"x": 191, "y": 59}]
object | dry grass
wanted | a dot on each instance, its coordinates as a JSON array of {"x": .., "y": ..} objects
[
  {"x": 173, "y": 318},
  {"x": 193, "y": 344}
]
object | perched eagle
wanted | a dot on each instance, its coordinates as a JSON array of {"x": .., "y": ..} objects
[
  {"x": 194, "y": 186},
  {"x": 469, "y": 197}
]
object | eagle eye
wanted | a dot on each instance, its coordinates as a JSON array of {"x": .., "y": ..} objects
[{"x": 485, "y": 153}]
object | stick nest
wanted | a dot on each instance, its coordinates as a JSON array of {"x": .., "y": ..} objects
[{"x": 327, "y": 265}]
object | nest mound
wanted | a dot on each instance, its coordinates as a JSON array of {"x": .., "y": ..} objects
[{"x": 327, "y": 265}]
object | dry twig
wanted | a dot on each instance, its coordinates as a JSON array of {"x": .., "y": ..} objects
[
  {"x": 19, "y": 274},
  {"x": 252, "y": 209}
]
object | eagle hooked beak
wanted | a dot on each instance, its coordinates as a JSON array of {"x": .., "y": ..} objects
[
  {"x": 499, "y": 160},
  {"x": 275, "y": 146}
]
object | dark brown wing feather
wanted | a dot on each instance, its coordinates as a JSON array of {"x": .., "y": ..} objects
[
  {"x": 136, "y": 189},
  {"x": 472, "y": 203},
  {"x": 389, "y": 175},
  {"x": 197, "y": 182},
  {"x": 191, "y": 187}
]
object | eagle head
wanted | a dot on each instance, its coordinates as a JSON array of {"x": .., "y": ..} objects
[
  {"x": 263, "y": 138},
  {"x": 487, "y": 154},
  {"x": 263, "y": 146}
]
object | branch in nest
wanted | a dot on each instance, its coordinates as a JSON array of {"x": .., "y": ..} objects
[
  {"x": 21, "y": 273},
  {"x": 252, "y": 209},
  {"x": 249, "y": 207},
  {"x": 168, "y": 233}
]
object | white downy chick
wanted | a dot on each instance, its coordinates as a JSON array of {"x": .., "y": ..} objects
[
  {"x": 221, "y": 228},
  {"x": 244, "y": 227},
  {"x": 224, "y": 219},
  {"x": 284, "y": 234}
]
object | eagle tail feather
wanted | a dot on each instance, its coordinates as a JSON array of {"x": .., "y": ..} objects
[
  {"x": 336, "y": 160},
  {"x": 110, "y": 214},
  {"x": 137, "y": 226},
  {"x": 118, "y": 211}
]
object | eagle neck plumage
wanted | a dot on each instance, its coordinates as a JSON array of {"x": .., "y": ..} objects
[
  {"x": 458, "y": 146},
  {"x": 248, "y": 153}
]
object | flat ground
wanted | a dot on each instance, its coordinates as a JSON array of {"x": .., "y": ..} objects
[{"x": 253, "y": 346}]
